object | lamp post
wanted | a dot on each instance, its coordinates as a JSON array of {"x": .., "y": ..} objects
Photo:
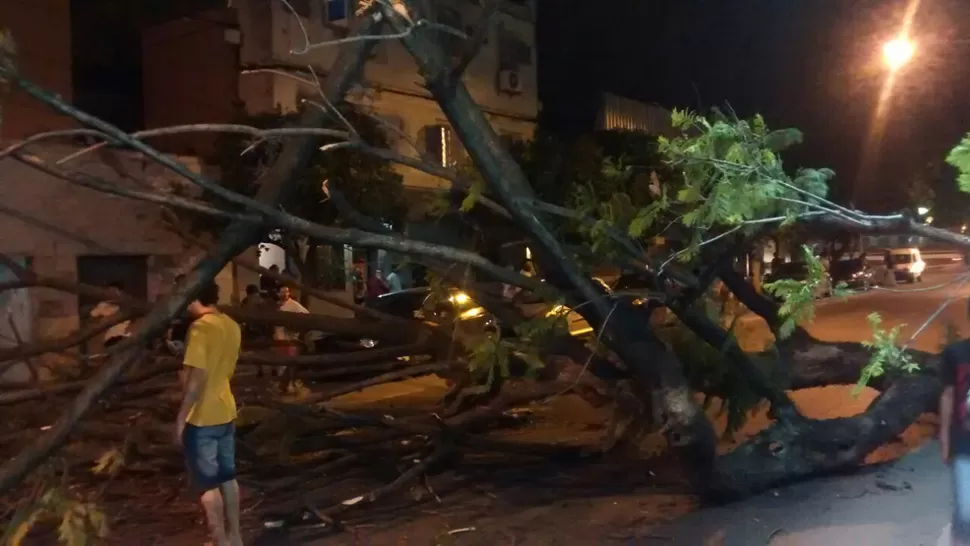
[{"x": 898, "y": 52}]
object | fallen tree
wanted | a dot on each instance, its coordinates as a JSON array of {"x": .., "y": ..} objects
[{"x": 730, "y": 190}]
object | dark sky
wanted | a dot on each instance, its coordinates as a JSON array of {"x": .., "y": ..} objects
[{"x": 810, "y": 64}]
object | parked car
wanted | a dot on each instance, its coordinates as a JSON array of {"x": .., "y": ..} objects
[
  {"x": 460, "y": 309},
  {"x": 640, "y": 286},
  {"x": 854, "y": 272},
  {"x": 908, "y": 264},
  {"x": 798, "y": 271}
]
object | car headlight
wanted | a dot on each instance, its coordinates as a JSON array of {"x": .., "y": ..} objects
[
  {"x": 368, "y": 343},
  {"x": 558, "y": 310},
  {"x": 472, "y": 313}
]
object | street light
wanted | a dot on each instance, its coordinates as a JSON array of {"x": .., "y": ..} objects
[
  {"x": 897, "y": 52},
  {"x": 922, "y": 210}
]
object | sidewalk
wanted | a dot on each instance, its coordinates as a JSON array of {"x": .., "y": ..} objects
[{"x": 903, "y": 504}]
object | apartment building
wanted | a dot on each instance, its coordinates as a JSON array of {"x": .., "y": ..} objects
[
  {"x": 259, "y": 50},
  {"x": 59, "y": 229},
  {"x": 256, "y": 57}
]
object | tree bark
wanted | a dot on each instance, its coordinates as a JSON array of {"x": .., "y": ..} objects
[{"x": 792, "y": 450}]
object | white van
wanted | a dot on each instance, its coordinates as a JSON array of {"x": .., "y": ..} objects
[{"x": 908, "y": 265}]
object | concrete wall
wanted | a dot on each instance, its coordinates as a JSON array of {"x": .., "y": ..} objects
[
  {"x": 54, "y": 222},
  {"x": 42, "y": 31},
  {"x": 190, "y": 75},
  {"x": 392, "y": 67},
  {"x": 392, "y": 89}
]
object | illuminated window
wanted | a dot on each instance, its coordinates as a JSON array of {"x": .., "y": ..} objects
[{"x": 441, "y": 145}]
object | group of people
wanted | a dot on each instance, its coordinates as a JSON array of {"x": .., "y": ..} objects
[
  {"x": 274, "y": 295},
  {"x": 377, "y": 285}
]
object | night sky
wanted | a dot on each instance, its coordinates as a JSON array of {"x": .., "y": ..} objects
[{"x": 811, "y": 64}]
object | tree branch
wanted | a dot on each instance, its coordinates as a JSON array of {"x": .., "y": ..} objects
[
  {"x": 475, "y": 41},
  {"x": 167, "y": 199},
  {"x": 503, "y": 175},
  {"x": 275, "y": 187}
]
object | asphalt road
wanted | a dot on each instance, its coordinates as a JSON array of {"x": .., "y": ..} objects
[
  {"x": 906, "y": 503},
  {"x": 908, "y": 304}
]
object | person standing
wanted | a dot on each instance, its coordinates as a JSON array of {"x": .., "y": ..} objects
[
  {"x": 528, "y": 269},
  {"x": 269, "y": 285},
  {"x": 955, "y": 432},
  {"x": 255, "y": 301},
  {"x": 253, "y": 298},
  {"x": 375, "y": 285},
  {"x": 205, "y": 424},
  {"x": 394, "y": 283},
  {"x": 179, "y": 329},
  {"x": 109, "y": 307},
  {"x": 286, "y": 341}
]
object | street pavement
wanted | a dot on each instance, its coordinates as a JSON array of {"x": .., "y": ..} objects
[
  {"x": 909, "y": 304},
  {"x": 906, "y": 503}
]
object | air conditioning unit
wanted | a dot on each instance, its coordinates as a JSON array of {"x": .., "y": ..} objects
[{"x": 509, "y": 81}]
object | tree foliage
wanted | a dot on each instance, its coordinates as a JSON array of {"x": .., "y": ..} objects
[
  {"x": 959, "y": 158},
  {"x": 887, "y": 355},
  {"x": 371, "y": 185},
  {"x": 798, "y": 296}
]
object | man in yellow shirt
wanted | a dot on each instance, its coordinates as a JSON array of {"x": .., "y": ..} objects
[{"x": 205, "y": 427}]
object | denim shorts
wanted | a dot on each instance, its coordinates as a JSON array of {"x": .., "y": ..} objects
[
  {"x": 210, "y": 454},
  {"x": 960, "y": 465}
]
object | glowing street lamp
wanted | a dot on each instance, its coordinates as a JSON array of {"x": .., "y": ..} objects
[
  {"x": 897, "y": 52},
  {"x": 922, "y": 211}
]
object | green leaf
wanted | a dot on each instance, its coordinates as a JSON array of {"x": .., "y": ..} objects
[
  {"x": 959, "y": 158},
  {"x": 688, "y": 195},
  {"x": 887, "y": 355},
  {"x": 782, "y": 139},
  {"x": 109, "y": 462},
  {"x": 474, "y": 193}
]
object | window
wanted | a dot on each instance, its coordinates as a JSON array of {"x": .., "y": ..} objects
[
  {"x": 450, "y": 43},
  {"x": 393, "y": 128},
  {"x": 331, "y": 267},
  {"x": 513, "y": 51},
  {"x": 301, "y": 7},
  {"x": 339, "y": 11},
  {"x": 512, "y": 142},
  {"x": 442, "y": 145}
]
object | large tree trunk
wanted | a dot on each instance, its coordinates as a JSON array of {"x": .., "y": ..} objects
[
  {"x": 798, "y": 448},
  {"x": 792, "y": 450}
]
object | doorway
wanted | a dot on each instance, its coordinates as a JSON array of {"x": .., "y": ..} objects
[{"x": 130, "y": 271}]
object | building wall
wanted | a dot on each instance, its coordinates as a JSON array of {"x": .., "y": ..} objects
[
  {"x": 393, "y": 87},
  {"x": 190, "y": 75},
  {"x": 392, "y": 67},
  {"x": 42, "y": 32},
  {"x": 52, "y": 223}
]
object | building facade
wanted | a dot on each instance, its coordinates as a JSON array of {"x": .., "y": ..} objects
[
  {"x": 61, "y": 230},
  {"x": 259, "y": 50},
  {"x": 257, "y": 58}
]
